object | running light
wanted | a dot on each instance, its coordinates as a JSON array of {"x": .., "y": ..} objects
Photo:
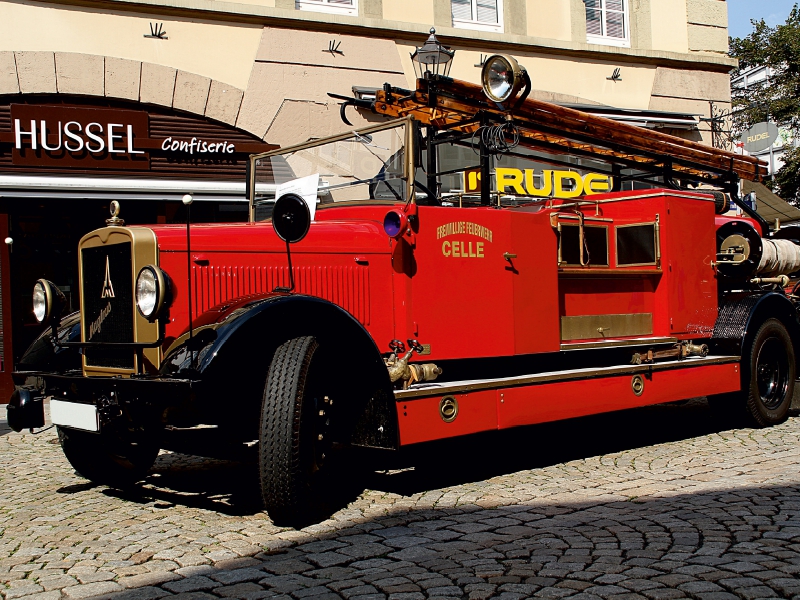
[{"x": 395, "y": 223}]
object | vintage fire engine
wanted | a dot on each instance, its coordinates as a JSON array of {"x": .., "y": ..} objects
[{"x": 478, "y": 261}]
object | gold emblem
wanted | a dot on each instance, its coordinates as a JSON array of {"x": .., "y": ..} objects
[{"x": 108, "y": 289}]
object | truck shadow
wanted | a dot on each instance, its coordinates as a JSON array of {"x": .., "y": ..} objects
[{"x": 231, "y": 487}]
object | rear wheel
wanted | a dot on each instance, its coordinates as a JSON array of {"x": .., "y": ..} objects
[
  {"x": 768, "y": 374},
  {"x": 106, "y": 458},
  {"x": 772, "y": 374},
  {"x": 294, "y": 438}
]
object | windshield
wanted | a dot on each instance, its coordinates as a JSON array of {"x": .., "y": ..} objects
[{"x": 366, "y": 165}]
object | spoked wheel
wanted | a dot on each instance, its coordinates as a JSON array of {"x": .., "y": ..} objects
[
  {"x": 294, "y": 441},
  {"x": 772, "y": 374},
  {"x": 107, "y": 458}
]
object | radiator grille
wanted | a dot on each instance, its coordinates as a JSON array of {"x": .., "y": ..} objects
[
  {"x": 107, "y": 316},
  {"x": 346, "y": 286}
]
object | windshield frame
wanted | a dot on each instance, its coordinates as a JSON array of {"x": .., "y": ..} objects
[{"x": 408, "y": 163}]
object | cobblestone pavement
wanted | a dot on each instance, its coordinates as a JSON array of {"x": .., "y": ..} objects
[{"x": 657, "y": 503}]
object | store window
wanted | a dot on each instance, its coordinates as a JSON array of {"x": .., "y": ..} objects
[
  {"x": 485, "y": 15},
  {"x": 341, "y": 7},
  {"x": 607, "y": 22}
]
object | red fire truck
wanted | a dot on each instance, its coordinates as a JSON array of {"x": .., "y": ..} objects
[{"x": 477, "y": 261}]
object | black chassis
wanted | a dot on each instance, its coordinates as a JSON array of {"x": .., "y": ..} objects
[{"x": 216, "y": 375}]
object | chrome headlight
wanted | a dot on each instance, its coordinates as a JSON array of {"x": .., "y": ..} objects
[
  {"x": 501, "y": 77},
  {"x": 48, "y": 301},
  {"x": 152, "y": 292},
  {"x": 39, "y": 302}
]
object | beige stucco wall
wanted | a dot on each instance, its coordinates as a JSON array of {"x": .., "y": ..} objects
[
  {"x": 274, "y": 81},
  {"x": 218, "y": 51},
  {"x": 668, "y": 30},
  {"x": 707, "y": 25},
  {"x": 549, "y": 19},
  {"x": 410, "y": 11},
  {"x": 41, "y": 72},
  {"x": 580, "y": 79},
  {"x": 292, "y": 76}
]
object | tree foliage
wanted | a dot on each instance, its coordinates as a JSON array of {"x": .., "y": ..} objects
[{"x": 777, "y": 97}]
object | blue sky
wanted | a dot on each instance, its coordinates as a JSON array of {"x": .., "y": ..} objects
[{"x": 741, "y": 11}]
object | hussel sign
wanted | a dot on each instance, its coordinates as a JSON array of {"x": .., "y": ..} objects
[
  {"x": 105, "y": 138},
  {"x": 89, "y": 138}
]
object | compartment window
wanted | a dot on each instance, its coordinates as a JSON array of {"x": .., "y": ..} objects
[
  {"x": 636, "y": 245},
  {"x": 595, "y": 245}
]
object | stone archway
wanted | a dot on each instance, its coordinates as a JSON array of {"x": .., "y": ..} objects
[{"x": 92, "y": 75}]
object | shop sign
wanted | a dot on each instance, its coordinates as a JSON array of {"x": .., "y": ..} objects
[
  {"x": 88, "y": 138},
  {"x": 552, "y": 183},
  {"x": 104, "y": 138},
  {"x": 760, "y": 136}
]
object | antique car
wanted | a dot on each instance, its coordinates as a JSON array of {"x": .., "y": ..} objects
[{"x": 480, "y": 260}]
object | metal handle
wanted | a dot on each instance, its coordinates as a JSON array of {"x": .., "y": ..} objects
[
  {"x": 416, "y": 346},
  {"x": 508, "y": 256}
]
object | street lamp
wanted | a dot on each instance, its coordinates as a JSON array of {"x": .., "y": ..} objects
[{"x": 432, "y": 58}]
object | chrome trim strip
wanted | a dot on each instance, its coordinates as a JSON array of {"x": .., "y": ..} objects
[
  {"x": 641, "y": 341},
  {"x": 459, "y": 387}
]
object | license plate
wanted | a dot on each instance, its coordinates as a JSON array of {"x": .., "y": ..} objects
[{"x": 72, "y": 414}]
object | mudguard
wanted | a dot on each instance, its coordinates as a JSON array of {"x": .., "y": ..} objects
[
  {"x": 232, "y": 346},
  {"x": 740, "y": 317},
  {"x": 42, "y": 355}
]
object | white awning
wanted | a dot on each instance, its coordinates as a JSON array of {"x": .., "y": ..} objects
[{"x": 45, "y": 186}]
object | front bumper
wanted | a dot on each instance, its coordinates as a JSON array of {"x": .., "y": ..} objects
[{"x": 137, "y": 399}]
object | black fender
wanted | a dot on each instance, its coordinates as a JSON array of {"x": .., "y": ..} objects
[
  {"x": 43, "y": 356},
  {"x": 740, "y": 317},
  {"x": 232, "y": 347}
]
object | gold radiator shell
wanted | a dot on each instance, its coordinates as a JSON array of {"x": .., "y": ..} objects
[{"x": 144, "y": 248}]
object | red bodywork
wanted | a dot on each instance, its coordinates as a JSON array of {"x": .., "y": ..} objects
[{"x": 480, "y": 282}]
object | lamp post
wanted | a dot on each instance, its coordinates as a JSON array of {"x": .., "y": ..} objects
[{"x": 432, "y": 58}]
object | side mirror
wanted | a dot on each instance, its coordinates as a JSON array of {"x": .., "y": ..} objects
[{"x": 291, "y": 218}]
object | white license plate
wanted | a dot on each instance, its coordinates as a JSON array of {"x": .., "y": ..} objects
[{"x": 72, "y": 414}]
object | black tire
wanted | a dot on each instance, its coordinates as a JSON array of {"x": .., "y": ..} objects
[
  {"x": 106, "y": 459},
  {"x": 771, "y": 376},
  {"x": 768, "y": 374},
  {"x": 293, "y": 441}
]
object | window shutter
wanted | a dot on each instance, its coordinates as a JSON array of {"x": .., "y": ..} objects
[
  {"x": 487, "y": 11},
  {"x": 462, "y": 10},
  {"x": 615, "y": 24}
]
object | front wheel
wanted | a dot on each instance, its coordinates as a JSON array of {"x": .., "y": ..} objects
[
  {"x": 106, "y": 458},
  {"x": 294, "y": 443}
]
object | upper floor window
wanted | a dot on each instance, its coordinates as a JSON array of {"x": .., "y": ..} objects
[
  {"x": 486, "y": 15},
  {"x": 607, "y": 22},
  {"x": 341, "y": 7}
]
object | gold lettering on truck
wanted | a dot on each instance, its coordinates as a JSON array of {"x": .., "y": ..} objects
[{"x": 461, "y": 248}]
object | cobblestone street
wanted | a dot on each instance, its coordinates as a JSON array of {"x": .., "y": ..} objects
[{"x": 657, "y": 503}]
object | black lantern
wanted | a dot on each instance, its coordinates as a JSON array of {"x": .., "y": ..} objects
[{"x": 432, "y": 58}]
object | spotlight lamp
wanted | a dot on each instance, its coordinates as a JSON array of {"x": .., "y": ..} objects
[{"x": 503, "y": 77}]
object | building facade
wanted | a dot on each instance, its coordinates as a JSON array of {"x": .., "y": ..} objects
[{"x": 145, "y": 100}]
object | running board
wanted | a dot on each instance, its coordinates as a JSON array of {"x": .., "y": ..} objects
[{"x": 426, "y": 390}]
